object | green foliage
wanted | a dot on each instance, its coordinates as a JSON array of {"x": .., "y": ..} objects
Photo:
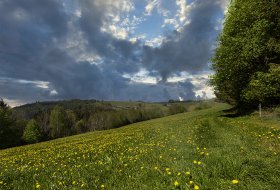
[
  {"x": 80, "y": 127},
  {"x": 249, "y": 41},
  {"x": 31, "y": 133},
  {"x": 64, "y": 118},
  {"x": 264, "y": 87},
  {"x": 176, "y": 108},
  {"x": 202, "y": 148},
  {"x": 58, "y": 127},
  {"x": 202, "y": 105},
  {"x": 71, "y": 121},
  {"x": 8, "y": 127}
]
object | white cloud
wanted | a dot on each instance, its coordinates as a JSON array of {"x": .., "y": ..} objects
[
  {"x": 151, "y": 6},
  {"x": 13, "y": 103},
  {"x": 155, "y": 42},
  {"x": 141, "y": 77},
  {"x": 200, "y": 82},
  {"x": 39, "y": 84},
  {"x": 137, "y": 38},
  {"x": 224, "y": 5},
  {"x": 180, "y": 19},
  {"x": 156, "y": 5},
  {"x": 117, "y": 32},
  {"x": 170, "y": 21},
  {"x": 53, "y": 92},
  {"x": 119, "y": 19}
]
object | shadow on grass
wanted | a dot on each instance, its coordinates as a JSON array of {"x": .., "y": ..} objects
[{"x": 237, "y": 112}]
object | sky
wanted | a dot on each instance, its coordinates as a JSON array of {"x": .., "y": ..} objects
[{"x": 148, "y": 50}]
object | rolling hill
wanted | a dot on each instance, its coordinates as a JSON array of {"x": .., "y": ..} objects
[{"x": 203, "y": 149}]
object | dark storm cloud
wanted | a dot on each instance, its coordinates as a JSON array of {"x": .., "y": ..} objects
[
  {"x": 189, "y": 50},
  {"x": 32, "y": 38},
  {"x": 29, "y": 91},
  {"x": 119, "y": 54},
  {"x": 31, "y": 33},
  {"x": 159, "y": 92}
]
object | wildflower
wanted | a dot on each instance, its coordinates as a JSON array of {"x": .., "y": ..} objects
[
  {"x": 37, "y": 185},
  {"x": 195, "y": 162},
  {"x": 179, "y": 173},
  {"x": 156, "y": 168},
  {"x": 1, "y": 182},
  {"x": 188, "y": 173},
  {"x": 102, "y": 186},
  {"x": 176, "y": 183},
  {"x": 190, "y": 182},
  {"x": 234, "y": 181},
  {"x": 199, "y": 162},
  {"x": 196, "y": 187}
]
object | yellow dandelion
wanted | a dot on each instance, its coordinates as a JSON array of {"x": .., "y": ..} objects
[
  {"x": 102, "y": 186},
  {"x": 176, "y": 183},
  {"x": 196, "y": 187},
  {"x": 190, "y": 182},
  {"x": 37, "y": 185},
  {"x": 195, "y": 162},
  {"x": 199, "y": 162},
  {"x": 235, "y": 181},
  {"x": 156, "y": 168},
  {"x": 188, "y": 173},
  {"x": 179, "y": 173}
]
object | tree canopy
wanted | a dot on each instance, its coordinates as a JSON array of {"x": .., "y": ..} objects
[
  {"x": 248, "y": 44},
  {"x": 32, "y": 133}
]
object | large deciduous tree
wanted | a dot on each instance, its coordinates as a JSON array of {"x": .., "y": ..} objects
[{"x": 249, "y": 42}]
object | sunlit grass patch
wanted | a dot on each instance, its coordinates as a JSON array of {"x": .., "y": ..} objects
[{"x": 196, "y": 150}]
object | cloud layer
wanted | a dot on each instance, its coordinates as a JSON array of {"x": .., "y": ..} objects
[{"x": 61, "y": 50}]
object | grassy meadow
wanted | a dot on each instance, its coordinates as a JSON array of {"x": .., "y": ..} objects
[{"x": 201, "y": 149}]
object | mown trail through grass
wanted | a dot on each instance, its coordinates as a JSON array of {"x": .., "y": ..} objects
[{"x": 196, "y": 150}]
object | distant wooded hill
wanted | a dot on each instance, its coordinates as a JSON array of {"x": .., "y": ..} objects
[{"x": 43, "y": 121}]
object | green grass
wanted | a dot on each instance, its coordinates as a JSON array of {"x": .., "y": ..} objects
[{"x": 154, "y": 155}]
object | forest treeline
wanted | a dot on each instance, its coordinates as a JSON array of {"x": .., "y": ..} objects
[
  {"x": 247, "y": 58},
  {"x": 44, "y": 121}
]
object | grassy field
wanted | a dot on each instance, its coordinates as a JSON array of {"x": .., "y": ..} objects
[{"x": 194, "y": 150}]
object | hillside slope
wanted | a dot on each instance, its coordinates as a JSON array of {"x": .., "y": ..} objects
[{"x": 195, "y": 150}]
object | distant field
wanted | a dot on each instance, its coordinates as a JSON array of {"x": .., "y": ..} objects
[{"x": 194, "y": 150}]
